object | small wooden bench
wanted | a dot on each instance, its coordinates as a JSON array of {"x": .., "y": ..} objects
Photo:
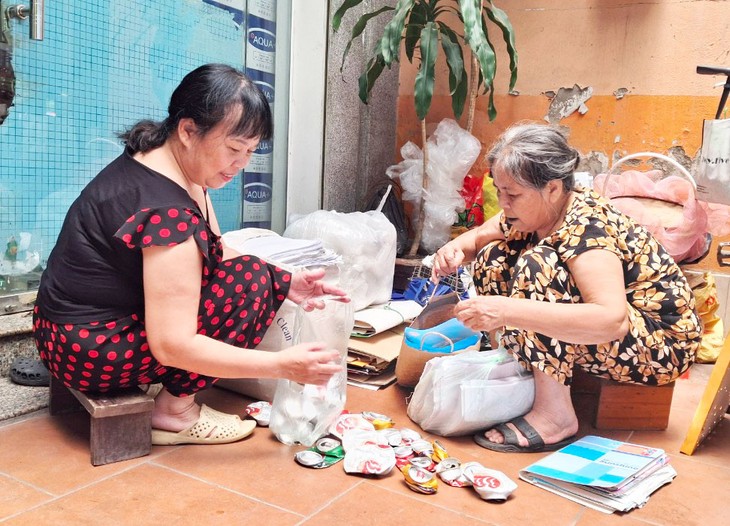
[
  {"x": 121, "y": 426},
  {"x": 625, "y": 406}
]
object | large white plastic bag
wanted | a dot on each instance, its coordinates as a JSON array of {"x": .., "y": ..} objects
[
  {"x": 302, "y": 413},
  {"x": 471, "y": 391},
  {"x": 367, "y": 243}
]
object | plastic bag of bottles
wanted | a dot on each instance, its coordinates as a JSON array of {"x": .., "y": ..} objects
[{"x": 302, "y": 413}]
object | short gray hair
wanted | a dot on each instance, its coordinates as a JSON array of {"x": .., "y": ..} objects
[{"x": 535, "y": 154}]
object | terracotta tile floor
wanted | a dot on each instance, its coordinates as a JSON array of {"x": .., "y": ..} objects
[{"x": 46, "y": 478}]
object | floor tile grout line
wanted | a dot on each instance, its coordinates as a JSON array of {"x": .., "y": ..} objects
[
  {"x": 55, "y": 498},
  {"x": 439, "y": 506},
  {"x": 226, "y": 488},
  {"x": 25, "y": 483},
  {"x": 329, "y": 503}
]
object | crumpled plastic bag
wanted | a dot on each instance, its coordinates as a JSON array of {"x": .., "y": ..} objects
[
  {"x": 706, "y": 299},
  {"x": 471, "y": 391},
  {"x": 451, "y": 153},
  {"x": 367, "y": 243}
]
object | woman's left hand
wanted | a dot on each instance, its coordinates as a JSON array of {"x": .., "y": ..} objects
[
  {"x": 307, "y": 289},
  {"x": 483, "y": 313}
]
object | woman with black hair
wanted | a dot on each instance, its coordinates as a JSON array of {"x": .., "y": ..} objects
[{"x": 139, "y": 288}]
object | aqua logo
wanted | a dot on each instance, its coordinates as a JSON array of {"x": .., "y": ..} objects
[
  {"x": 267, "y": 89},
  {"x": 264, "y": 147},
  {"x": 262, "y": 39},
  {"x": 256, "y": 193}
]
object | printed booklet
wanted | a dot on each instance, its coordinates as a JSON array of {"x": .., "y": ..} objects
[{"x": 601, "y": 473}]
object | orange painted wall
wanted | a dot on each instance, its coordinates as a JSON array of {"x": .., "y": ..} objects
[{"x": 650, "y": 49}]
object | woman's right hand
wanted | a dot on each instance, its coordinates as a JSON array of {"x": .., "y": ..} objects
[
  {"x": 446, "y": 261},
  {"x": 309, "y": 363}
]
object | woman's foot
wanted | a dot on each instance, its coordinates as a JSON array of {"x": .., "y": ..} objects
[
  {"x": 174, "y": 414},
  {"x": 552, "y": 415},
  {"x": 182, "y": 421}
]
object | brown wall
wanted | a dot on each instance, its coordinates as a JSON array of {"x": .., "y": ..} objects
[{"x": 638, "y": 58}]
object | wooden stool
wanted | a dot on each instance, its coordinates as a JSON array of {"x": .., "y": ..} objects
[
  {"x": 121, "y": 426},
  {"x": 625, "y": 406}
]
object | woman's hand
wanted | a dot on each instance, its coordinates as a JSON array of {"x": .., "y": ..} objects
[
  {"x": 309, "y": 363},
  {"x": 483, "y": 313},
  {"x": 307, "y": 290},
  {"x": 446, "y": 261}
]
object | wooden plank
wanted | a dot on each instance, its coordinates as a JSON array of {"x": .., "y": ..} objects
[
  {"x": 103, "y": 405},
  {"x": 714, "y": 403}
]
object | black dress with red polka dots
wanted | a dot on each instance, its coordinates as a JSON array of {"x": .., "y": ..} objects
[{"x": 89, "y": 317}]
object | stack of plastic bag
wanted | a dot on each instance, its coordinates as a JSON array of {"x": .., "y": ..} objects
[{"x": 451, "y": 153}]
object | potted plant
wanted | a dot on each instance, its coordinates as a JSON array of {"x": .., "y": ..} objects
[{"x": 424, "y": 27}]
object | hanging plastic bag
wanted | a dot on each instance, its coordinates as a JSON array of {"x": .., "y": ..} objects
[
  {"x": 302, "y": 413},
  {"x": 713, "y": 165},
  {"x": 471, "y": 391},
  {"x": 705, "y": 292}
]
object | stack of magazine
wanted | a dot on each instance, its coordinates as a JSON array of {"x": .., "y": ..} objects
[{"x": 603, "y": 474}]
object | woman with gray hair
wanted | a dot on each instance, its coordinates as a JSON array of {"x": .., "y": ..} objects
[{"x": 566, "y": 280}]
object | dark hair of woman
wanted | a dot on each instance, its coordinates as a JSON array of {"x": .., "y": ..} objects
[{"x": 208, "y": 95}]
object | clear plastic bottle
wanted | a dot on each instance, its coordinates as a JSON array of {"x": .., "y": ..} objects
[{"x": 302, "y": 413}]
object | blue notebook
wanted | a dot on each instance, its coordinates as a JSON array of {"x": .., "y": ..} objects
[{"x": 598, "y": 463}]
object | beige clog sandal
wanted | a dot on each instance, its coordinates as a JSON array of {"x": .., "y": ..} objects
[{"x": 213, "y": 427}]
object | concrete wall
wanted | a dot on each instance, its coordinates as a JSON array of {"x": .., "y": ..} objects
[
  {"x": 360, "y": 139},
  {"x": 632, "y": 61}
]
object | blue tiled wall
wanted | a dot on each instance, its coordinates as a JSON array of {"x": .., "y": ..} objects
[{"x": 103, "y": 65}]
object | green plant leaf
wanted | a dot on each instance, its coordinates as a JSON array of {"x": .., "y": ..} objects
[
  {"x": 458, "y": 80},
  {"x": 337, "y": 17},
  {"x": 393, "y": 31},
  {"x": 418, "y": 19},
  {"x": 427, "y": 71},
  {"x": 475, "y": 37},
  {"x": 500, "y": 18},
  {"x": 359, "y": 27},
  {"x": 491, "y": 109},
  {"x": 366, "y": 81}
]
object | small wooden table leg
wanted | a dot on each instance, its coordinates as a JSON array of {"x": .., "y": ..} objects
[{"x": 121, "y": 437}]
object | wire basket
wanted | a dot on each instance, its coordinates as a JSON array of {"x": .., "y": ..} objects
[{"x": 453, "y": 281}]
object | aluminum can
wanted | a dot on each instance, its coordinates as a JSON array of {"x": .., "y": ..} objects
[
  {"x": 422, "y": 447},
  {"x": 369, "y": 459},
  {"x": 490, "y": 484},
  {"x": 378, "y": 420},
  {"x": 439, "y": 452},
  {"x": 259, "y": 411},
  {"x": 420, "y": 480},
  {"x": 424, "y": 462}
]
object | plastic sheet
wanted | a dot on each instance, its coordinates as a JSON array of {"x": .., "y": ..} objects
[
  {"x": 451, "y": 153},
  {"x": 367, "y": 243}
]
